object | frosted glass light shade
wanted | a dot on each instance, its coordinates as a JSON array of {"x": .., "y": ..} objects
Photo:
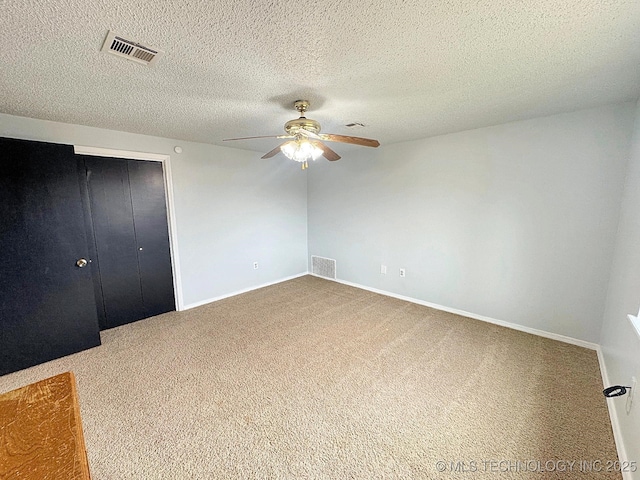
[{"x": 301, "y": 150}]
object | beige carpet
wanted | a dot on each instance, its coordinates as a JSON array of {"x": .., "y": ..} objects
[{"x": 312, "y": 379}]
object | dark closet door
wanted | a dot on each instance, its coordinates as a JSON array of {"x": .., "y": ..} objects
[
  {"x": 47, "y": 303},
  {"x": 128, "y": 212},
  {"x": 152, "y": 234}
]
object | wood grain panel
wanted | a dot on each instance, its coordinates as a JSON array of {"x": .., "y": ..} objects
[{"x": 41, "y": 432}]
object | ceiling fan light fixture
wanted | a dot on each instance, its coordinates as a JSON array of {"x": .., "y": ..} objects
[
  {"x": 308, "y": 142},
  {"x": 300, "y": 150}
]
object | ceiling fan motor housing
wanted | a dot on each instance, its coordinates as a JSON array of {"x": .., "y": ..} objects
[{"x": 293, "y": 126}]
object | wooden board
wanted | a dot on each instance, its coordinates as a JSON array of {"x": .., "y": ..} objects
[{"x": 41, "y": 432}]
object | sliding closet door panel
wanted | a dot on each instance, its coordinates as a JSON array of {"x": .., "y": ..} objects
[
  {"x": 47, "y": 304},
  {"x": 91, "y": 244},
  {"x": 112, "y": 216},
  {"x": 152, "y": 235}
]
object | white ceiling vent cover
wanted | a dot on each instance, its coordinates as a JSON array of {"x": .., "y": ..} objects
[
  {"x": 323, "y": 267},
  {"x": 131, "y": 50}
]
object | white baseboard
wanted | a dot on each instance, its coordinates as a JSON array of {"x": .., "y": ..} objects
[
  {"x": 238, "y": 292},
  {"x": 612, "y": 404},
  {"x": 502, "y": 323}
]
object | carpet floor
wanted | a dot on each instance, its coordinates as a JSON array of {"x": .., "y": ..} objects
[{"x": 312, "y": 379}]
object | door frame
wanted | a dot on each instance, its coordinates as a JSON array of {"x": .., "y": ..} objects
[{"x": 168, "y": 190}]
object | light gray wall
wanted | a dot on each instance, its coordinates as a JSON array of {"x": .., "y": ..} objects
[
  {"x": 620, "y": 344},
  {"x": 231, "y": 208},
  {"x": 515, "y": 222}
]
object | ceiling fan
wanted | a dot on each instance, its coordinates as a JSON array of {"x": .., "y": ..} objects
[{"x": 307, "y": 141}]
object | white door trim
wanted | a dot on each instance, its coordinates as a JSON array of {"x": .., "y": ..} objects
[{"x": 110, "y": 152}]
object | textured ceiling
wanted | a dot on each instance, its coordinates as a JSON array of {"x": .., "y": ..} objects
[{"x": 407, "y": 69}]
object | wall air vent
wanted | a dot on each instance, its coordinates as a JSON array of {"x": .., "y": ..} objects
[
  {"x": 323, "y": 267},
  {"x": 131, "y": 50}
]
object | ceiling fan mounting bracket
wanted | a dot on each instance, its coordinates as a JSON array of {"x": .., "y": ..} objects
[{"x": 302, "y": 106}]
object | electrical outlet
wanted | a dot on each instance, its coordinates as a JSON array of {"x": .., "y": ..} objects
[
  {"x": 383, "y": 269},
  {"x": 403, "y": 273},
  {"x": 255, "y": 265}
]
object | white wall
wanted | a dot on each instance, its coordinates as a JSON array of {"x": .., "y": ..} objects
[
  {"x": 514, "y": 222},
  {"x": 620, "y": 344},
  {"x": 231, "y": 208}
]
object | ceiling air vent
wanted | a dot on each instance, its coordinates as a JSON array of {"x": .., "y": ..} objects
[{"x": 122, "y": 47}]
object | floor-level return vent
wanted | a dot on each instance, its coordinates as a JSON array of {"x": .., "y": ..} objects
[{"x": 323, "y": 267}]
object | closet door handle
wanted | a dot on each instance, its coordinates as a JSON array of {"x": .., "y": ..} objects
[{"x": 81, "y": 263}]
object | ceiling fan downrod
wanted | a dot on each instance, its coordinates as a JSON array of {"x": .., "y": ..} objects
[{"x": 301, "y": 106}]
